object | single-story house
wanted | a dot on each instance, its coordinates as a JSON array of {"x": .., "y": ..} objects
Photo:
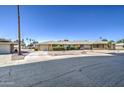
[
  {"x": 23, "y": 45},
  {"x": 76, "y": 45},
  {"x": 6, "y": 46},
  {"x": 119, "y": 46}
]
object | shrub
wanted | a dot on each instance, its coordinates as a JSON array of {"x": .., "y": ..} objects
[
  {"x": 35, "y": 49},
  {"x": 58, "y": 48}
]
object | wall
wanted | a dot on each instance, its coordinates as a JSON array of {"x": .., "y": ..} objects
[
  {"x": 119, "y": 47},
  {"x": 42, "y": 47}
]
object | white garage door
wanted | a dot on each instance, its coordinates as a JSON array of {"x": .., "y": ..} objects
[{"x": 4, "y": 49}]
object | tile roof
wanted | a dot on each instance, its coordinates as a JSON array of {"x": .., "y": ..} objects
[{"x": 4, "y": 40}]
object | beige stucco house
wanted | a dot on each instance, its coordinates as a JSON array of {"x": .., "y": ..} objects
[
  {"x": 119, "y": 46},
  {"x": 23, "y": 46},
  {"x": 78, "y": 45},
  {"x": 6, "y": 46}
]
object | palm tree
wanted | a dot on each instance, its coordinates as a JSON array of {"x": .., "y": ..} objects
[
  {"x": 30, "y": 40},
  {"x": 26, "y": 39}
]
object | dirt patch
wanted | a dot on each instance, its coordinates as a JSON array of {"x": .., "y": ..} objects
[
  {"x": 17, "y": 57},
  {"x": 58, "y": 53}
]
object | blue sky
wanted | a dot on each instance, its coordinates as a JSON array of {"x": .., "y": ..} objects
[{"x": 63, "y": 22}]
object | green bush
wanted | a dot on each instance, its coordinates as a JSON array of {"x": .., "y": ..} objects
[
  {"x": 58, "y": 48},
  {"x": 35, "y": 49}
]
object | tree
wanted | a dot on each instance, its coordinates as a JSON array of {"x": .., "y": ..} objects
[
  {"x": 104, "y": 40},
  {"x": 110, "y": 44},
  {"x": 30, "y": 39},
  {"x": 32, "y": 43},
  {"x": 120, "y": 41},
  {"x": 111, "y": 41},
  {"x": 27, "y": 39},
  {"x": 23, "y": 40},
  {"x": 66, "y": 40}
]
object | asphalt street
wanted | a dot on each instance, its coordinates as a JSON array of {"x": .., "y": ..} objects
[
  {"x": 88, "y": 72},
  {"x": 93, "y": 71}
]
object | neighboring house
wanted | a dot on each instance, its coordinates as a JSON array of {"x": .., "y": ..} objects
[
  {"x": 75, "y": 45},
  {"x": 23, "y": 46},
  {"x": 6, "y": 46},
  {"x": 119, "y": 46}
]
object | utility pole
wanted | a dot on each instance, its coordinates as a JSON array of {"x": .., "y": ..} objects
[{"x": 19, "y": 32}]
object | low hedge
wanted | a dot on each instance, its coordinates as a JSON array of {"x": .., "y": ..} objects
[
  {"x": 68, "y": 48},
  {"x": 58, "y": 49}
]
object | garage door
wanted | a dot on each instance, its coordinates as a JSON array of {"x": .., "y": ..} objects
[{"x": 4, "y": 49}]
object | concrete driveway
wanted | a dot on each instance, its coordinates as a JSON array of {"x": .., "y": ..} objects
[{"x": 97, "y": 71}]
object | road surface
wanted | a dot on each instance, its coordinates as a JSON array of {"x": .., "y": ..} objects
[
  {"x": 101, "y": 71},
  {"x": 89, "y": 72}
]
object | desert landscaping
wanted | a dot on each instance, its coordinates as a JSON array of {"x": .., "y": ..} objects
[{"x": 36, "y": 56}]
